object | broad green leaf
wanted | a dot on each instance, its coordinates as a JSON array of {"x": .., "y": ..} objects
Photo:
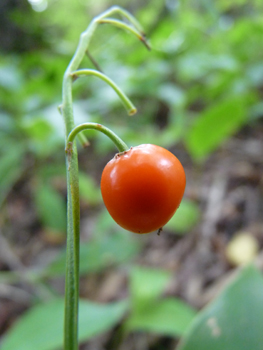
[
  {"x": 168, "y": 317},
  {"x": 105, "y": 224},
  {"x": 41, "y": 327},
  {"x": 51, "y": 208},
  {"x": 234, "y": 321},
  {"x": 150, "y": 313},
  {"x": 147, "y": 284},
  {"x": 214, "y": 125},
  {"x": 185, "y": 218},
  {"x": 96, "y": 255},
  {"x": 42, "y": 137},
  {"x": 37, "y": 129},
  {"x": 88, "y": 189},
  {"x": 50, "y": 172}
]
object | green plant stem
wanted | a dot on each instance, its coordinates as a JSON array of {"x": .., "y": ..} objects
[
  {"x": 125, "y": 26},
  {"x": 122, "y": 147},
  {"x": 73, "y": 210},
  {"x": 93, "y": 61},
  {"x": 125, "y": 100},
  {"x": 72, "y": 254},
  {"x": 83, "y": 140}
]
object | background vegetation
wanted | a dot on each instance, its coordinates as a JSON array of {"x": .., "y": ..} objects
[{"x": 199, "y": 94}]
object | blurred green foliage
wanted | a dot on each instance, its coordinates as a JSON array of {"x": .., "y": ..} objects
[
  {"x": 109, "y": 246},
  {"x": 169, "y": 316},
  {"x": 32, "y": 329},
  {"x": 200, "y": 85}
]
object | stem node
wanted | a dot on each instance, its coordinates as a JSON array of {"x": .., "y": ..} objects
[{"x": 69, "y": 149}]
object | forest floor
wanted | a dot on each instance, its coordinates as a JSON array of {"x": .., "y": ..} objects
[{"x": 229, "y": 192}]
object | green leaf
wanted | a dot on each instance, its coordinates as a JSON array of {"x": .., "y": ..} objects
[
  {"x": 149, "y": 313},
  {"x": 41, "y": 327},
  {"x": 214, "y": 125},
  {"x": 88, "y": 189},
  {"x": 234, "y": 321},
  {"x": 96, "y": 255},
  {"x": 185, "y": 218},
  {"x": 147, "y": 284},
  {"x": 51, "y": 208},
  {"x": 38, "y": 129},
  {"x": 41, "y": 135},
  {"x": 168, "y": 317}
]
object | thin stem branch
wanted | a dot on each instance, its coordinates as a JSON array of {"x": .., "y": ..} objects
[
  {"x": 93, "y": 61},
  {"x": 121, "y": 11},
  {"x": 122, "y": 147},
  {"x": 131, "y": 19},
  {"x": 127, "y": 27},
  {"x": 125, "y": 100},
  {"x": 83, "y": 140}
]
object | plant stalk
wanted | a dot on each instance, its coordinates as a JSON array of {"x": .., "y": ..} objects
[{"x": 73, "y": 207}]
